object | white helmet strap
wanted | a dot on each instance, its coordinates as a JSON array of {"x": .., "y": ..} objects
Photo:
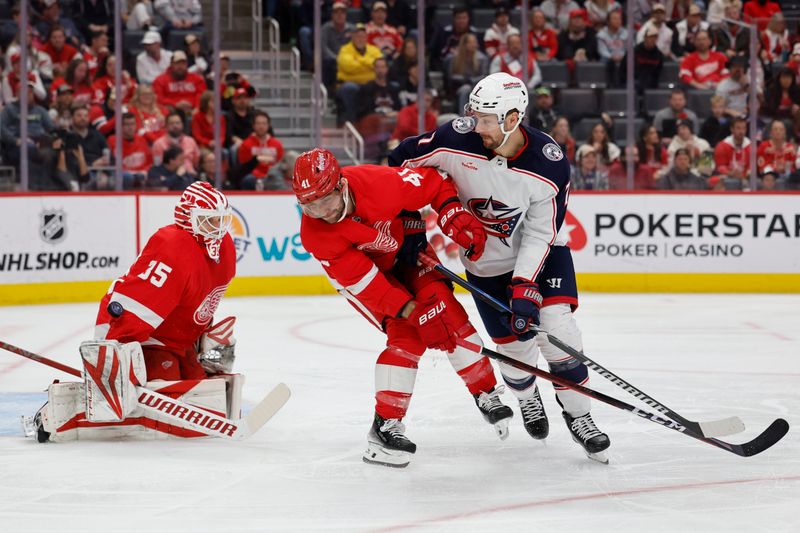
[{"x": 507, "y": 134}]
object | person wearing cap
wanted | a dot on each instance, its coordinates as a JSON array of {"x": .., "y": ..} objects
[
  {"x": 60, "y": 109},
  {"x": 732, "y": 155},
  {"x": 578, "y": 41},
  {"x": 446, "y": 38},
  {"x": 558, "y": 12},
  {"x": 777, "y": 152},
  {"x": 543, "y": 115},
  {"x": 152, "y": 61},
  {"x": 648, "y": 62},
  {"x": 685, "y": 139},
  {"x": 686, "y": 30},
  {"x": 382, "y": 35},
  {"x": 542, "y": 40},
  {"x": 239, "y": 119},
  {"x": 587, "y": 174},
  {"x": 180, "y": 14},
  {"x": 704, "y": 68},
  {"x": 177, "y": 87},
  {"x": 198, "y": 62},
  {"x": 59, "y": 50},
  {"x": 494, "y": 40},
  {"x": 334, "y": 34},
  {"x": 511, "y": 61},
  {"x": 657, "y": 21},
  {"x": 51, "y": 18},
  {"x": 735, "y": 88},
  {"x": 680, "y": 176},
  {"x": 611, "y": 46},
  {"x": 769, "y": 180}
]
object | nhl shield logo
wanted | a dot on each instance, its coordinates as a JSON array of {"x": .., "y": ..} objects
[{"x": 53, "y": 226}]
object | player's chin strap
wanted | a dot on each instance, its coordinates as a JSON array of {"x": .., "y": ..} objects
[
  {"x": 507, "y": 134},
  {"x": 346, "y": 197}
]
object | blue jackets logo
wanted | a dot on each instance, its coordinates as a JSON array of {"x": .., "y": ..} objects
[{"x": 500, "y": 220}]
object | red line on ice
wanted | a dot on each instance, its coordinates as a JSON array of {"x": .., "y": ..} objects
[{"x": 578, "y": 498}]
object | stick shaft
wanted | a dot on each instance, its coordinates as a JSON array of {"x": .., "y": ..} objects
[{"x": 40, "y": 359}]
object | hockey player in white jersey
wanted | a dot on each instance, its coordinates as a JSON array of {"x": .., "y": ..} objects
[{"x": 515, "y": 180}]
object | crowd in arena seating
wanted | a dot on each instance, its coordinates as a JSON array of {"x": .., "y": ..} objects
[{"x": 691, "y": 103}]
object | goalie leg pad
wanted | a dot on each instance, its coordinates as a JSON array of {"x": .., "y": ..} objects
[{"x": 111, "y": 373}]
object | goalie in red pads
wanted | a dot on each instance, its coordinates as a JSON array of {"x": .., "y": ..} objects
[
  {"x": 154, "y": 327},
  {"x": 361, "y": 224}
]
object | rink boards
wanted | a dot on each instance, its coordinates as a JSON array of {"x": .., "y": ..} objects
[{"x": 69, "y": 247}]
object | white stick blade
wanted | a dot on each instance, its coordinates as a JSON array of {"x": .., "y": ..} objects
[
  {"x": 266, "y": 409},
  {"x": 722, "y": 428}
]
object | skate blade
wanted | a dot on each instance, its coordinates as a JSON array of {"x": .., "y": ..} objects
[
  {"x": 378, "y": 455},
  {"x": 600, "y": 457},
  {"x": 501, "y": 428}
]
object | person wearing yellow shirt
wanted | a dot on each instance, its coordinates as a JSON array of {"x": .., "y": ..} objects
[{"x": 356, "y": 67}]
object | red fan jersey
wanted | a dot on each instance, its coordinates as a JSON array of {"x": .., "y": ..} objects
[
  {"x": 170, "y": 293},
  {"x": 358, "y": 250},
  {"x": 781, "y": 160},
  {"x": 712, "y": 69}
]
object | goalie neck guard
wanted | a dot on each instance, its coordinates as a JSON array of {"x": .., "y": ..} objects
[{"x": 204, "y": 212}]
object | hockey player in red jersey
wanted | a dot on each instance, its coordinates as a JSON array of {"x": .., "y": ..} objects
[{"x": 354, "y": 222}]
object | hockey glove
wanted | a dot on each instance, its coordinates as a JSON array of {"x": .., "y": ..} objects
[
  {"x": 217, "y": 344},
  {"x": 430, "y": 318},
  {"x": 414, "y": 240},
  {"x": 526, "y": 300},
  {"x": 459, "y": 224}
]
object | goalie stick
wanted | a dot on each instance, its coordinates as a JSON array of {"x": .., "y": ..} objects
[
  {"x": 765, "y": 440},
  {"x": 714, "y": 428},
  {"x": 199, "y": 419}
]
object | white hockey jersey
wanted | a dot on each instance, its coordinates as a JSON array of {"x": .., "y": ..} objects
[{"x": 521, "y": 200}]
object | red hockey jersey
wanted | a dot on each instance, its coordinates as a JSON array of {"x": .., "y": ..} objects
[
  {"x": 358, "y": 250},
  {"x": 170, "y": 293}
]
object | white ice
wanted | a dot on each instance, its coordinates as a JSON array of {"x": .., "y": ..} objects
[{"x": 706, "y": 356}]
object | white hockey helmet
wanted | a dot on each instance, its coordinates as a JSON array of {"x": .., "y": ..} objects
[{"x": 499, "y": 94}]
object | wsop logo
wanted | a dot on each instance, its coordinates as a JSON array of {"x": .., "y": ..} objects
[{"x": 53, "y": 225}]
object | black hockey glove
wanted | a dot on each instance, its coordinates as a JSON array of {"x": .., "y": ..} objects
[
  {"x": 414, "y": 240},
  {"x": 526, "y": 300}
]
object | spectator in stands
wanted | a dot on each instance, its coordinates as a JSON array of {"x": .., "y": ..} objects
[
  {"x": 151, "y": 118},
  {"x": 770, "y": 180},
  {"x": 676, "y": 110},
  {"x": 136, "y": 156},
  {"x": 652, "y": 151},
  {"x": 562, "y": 135},
  {"x": 198, "y": 61},
  {"x": 587, "y": 174},
  {"x": 400, "y": 15},
  {"x": 38, "y": 60},
  {"x": 735, "y": 88},
  {"x": 732, "y": 155},
  {"x": 760, "y": 11},
  {"x": 680, "y": 177},
  {"x": 465, "y": 68},
  {"x": 175, "y": 137},
  {"x": 657, "y": 21},
  {"x": 101, "y": 115},
  {"x": 239, "y": 120},
  {"x": 599, "y": 10},
  {"x": 578, "y": 41},
  {"x": 643, "y": 178},
  {"x": 60, "y": 52},
  {"x": 231, "y": 82},
  {"x": 180, "y": 14},
  {"x": 9, "y": 28},
  {"x": 96, "y": 51},
  {"x": 104, "y": 80},
  {"x": 177, "y": 87},
  {"x": 782, "y": 99},
  {"x": 334, "y": 34},
  {"x": 11, "y": 82},
  {"x": 378, "y": 96},
  {"x": 716, "y": 11},
  {"x": 153, "y": 61},
  {"x": 446, "y": 40},
  {"x": 77, "y": 77},
  {"x": 95, "y": 147},
  {"x": 686, "y": 30},
  {"x": 94, "y": 15},
  {"x": 777, "y": 152},
  {"x": 171, "y": 174},
  {"x": 398, "y": 69},
  {"x": 407, "y": 119},
  {"x": 51, "y": 18},
  {"x": 558, "y": 12},
  {"x": 382, "y": 35},
  {"x": 599, "y": 141},
  {"x": 647, "y": 62},
  {"x": 139, "y": 15},
  {"x": 259, "y": 152},
  {"x": 61, "y": 110},
  {"x": 717, "y": 126},
  {"x": 775, "y": 39},
  {"x": 512, "y": 59},
  {"x": 543, "y": 116},
  {"x": 728, "y": 37},
  {"x": 203, "y": 122},
  {"x": 696, "y": 147},
  {"x": 704, "y": 68},
  {"x": 356, "y": 67},
  {"x": 494, "y": 40},
  {"x": 207, "y": 167},
  {"x": 611, "y": 45},
  {"x": 40, "y": 146},
  {"x": 542, "y": 40}
]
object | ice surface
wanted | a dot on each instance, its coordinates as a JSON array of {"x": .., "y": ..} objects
[{"x": 707, "y": 356}]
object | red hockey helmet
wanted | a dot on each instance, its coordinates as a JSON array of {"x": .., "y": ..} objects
[{"x": 316, "y": 174}]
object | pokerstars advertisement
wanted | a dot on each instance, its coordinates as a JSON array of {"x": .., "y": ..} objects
[
  {"x": 56, "y": 238},
  {"x": 645, "y": 233}
]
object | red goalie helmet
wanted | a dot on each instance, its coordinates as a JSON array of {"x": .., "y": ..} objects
[{"x": 316, "y": 174}]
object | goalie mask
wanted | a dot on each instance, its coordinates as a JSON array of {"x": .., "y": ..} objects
[
  {"x": 498, "y": 94},
  {"x": 204, "y": 212}
]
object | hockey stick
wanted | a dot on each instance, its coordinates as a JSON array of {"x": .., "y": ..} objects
[
  {"x": 714, "y": 428},
  {"x": 197, "y": 418},
  {"x": 766, "y": 439}
]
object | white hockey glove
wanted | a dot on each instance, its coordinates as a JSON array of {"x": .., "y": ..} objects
[
  {"x": 217, "y": 346},
  {"x": 111, "y": 372}
]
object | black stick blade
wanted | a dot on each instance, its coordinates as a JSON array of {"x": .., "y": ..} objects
[{"x": 775, "y": 432}]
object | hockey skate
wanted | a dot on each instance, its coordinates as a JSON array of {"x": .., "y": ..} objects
[
  {"x": 534, "y": 417},
  {"x": 593, "y": 441},
  {"x": 386, "y": 444},
  {"x": 494, "y": 411}
]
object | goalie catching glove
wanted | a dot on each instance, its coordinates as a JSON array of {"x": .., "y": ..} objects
[{"x": 217, "y": 346}]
